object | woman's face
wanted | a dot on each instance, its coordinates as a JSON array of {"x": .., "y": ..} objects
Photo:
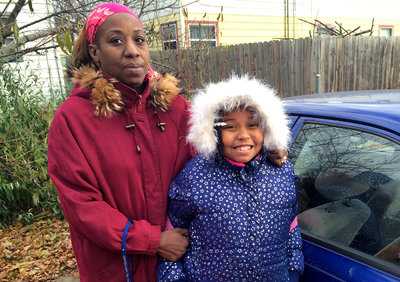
[
  {"x": 122, "y": 50},
  {"x": 242, "y": 136}
]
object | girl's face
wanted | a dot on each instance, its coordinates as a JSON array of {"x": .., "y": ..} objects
[
  {"x": 242, "y": 137},
  {"x": 122, "y": 50}
]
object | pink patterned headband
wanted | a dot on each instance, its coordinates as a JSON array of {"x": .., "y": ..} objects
[{"x": 99, "y": 15}]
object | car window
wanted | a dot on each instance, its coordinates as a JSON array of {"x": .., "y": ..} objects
[{"x": 349, "y": 187}]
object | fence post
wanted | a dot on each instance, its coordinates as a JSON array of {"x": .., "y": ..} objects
[{"x": 317, "y": 83}]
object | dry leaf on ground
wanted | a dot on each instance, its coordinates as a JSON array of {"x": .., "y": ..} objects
[{"x": 40, "y": 251}]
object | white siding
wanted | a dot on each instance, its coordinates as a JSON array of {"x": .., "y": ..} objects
[
  {"x": 46, "y": 62},
  {"x": 237, "y": 7},
  {"x": 264, "y": 19},
  {"x": 384, "y": 9}
]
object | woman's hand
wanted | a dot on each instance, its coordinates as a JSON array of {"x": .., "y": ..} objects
[
  {"x": 173, "y": 244},
  {"x": 277, "y": 157}
]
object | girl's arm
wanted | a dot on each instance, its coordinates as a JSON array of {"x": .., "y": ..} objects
[
  {"x": 180, "y": 214},
  {"x": 295, "y": 255},
  {"x": 294, "y": 252},
  {"x": 181, "y": 208}
]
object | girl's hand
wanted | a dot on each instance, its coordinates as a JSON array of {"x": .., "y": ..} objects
[{"x": 173, "y": 244}]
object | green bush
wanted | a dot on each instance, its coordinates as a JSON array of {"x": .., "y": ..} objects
[{"x": 25, "y": 114}]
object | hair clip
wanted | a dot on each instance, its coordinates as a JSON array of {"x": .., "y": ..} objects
[{"x": 220, "y": 123}]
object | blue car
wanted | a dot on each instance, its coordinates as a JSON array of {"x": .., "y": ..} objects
[{"x": 346, "y": 150}]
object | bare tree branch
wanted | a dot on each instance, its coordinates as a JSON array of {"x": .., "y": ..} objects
[
  {"x": 9, "y": 49},
  {"x": 15, "y": 12},
  {"x": 68, "y": 15},
  {"x": 342, "y": 31},
  {"x": 328, "y": 28},
  {"x": 6, "y": 34}
]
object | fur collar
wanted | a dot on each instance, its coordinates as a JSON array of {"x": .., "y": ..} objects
[{"x": 107, "y": 100}]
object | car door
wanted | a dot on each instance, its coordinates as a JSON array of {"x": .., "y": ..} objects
[{"x": 349, "y": 199}]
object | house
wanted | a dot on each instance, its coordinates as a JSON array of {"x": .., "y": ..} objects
[
  {"x": 47, "y": 63},
  {"x": 228, "y": 22},
  {"x": 191, "y": 23}
]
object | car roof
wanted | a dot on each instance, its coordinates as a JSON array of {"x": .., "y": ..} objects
[{"x": 374, "y": 107}]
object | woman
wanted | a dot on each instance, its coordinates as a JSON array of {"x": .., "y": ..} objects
[{"x": 114, "y": 146}]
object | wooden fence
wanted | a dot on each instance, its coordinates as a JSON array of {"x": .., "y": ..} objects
[{"x": 291, "y": 66}]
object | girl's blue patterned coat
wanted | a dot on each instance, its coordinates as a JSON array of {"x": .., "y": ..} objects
[{"x": 239, "y": 217}]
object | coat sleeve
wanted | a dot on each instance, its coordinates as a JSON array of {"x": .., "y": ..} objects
[
  {"x": 181, "y": 208},
  {"x": 295, "y": 254},
  {"x": 170, "y": 271},
  {"x": 81, "y": 198},
  {"x": 180, "y": 213}
]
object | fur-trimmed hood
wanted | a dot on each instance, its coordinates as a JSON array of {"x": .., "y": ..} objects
[
  {"x": 229, "y": 95},
  {"x": 107, "y": 100}
]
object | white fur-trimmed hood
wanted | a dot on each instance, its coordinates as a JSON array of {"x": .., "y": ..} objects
[{"x": 229, "y": 95}]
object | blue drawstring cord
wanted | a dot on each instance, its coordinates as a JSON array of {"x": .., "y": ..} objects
[{"x": 127, "y": 260}]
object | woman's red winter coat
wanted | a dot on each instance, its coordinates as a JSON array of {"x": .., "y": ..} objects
[{"x": 109, "y": 170}]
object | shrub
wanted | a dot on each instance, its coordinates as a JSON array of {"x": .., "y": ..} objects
[{"x": 25, "y": 114}]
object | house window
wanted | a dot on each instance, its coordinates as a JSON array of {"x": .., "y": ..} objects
[
  {"x": 386, "y": 31},
  {"x": 169, "y": 36},
  {"x": 201, "y": 34},
  {"x": 324, "y": 30}
]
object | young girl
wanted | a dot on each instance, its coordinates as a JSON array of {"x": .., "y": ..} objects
[{"x": 240, "y": 210}]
